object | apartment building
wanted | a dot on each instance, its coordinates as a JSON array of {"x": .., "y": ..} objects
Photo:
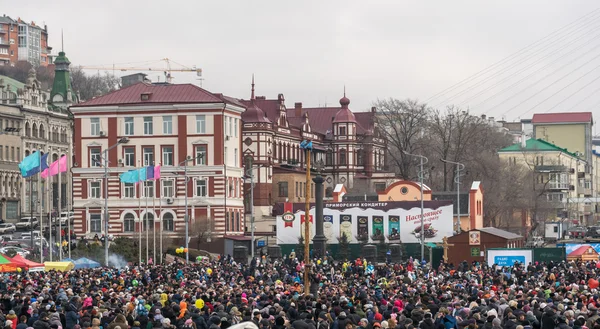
[
  {"x": 10, "y": 156},
  {"x": 22, "y": 41}
]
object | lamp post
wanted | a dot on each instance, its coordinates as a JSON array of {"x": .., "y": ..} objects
[
  {"x": 123, "y": 140},
  {"x": 307, "y": 146},
  {"x": 423, "y": 161},
  {"x": 459, "y": 168},
  {"x": 250, "y": 174},
  {"x": 186, "y": 217}
]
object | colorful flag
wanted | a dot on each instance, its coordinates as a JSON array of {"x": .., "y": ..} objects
[
  {"x": 29, "y": 168},
  {"x": 53, "y": 169},
  {"x": 132, "y": 176},
  {"x": 149, "y": 173},
  {"x": 157, "y": 172}
]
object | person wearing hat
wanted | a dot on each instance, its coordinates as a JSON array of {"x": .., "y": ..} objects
[{"x": 42, "y": 322}]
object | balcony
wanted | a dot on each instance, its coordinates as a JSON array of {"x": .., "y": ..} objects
[
  {"x": 547, "y": 168},
  {"x": 3, "y": 31},
  {"x": 562, "y": 186},
  {"x": 4, "y": 43}
]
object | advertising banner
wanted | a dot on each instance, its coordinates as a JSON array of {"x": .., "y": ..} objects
[
  {"x": 394, "y": 227},
  {"x": 377, "y": 228},
  {"x": 396, "y": 218},
  {"x": 508, "y": 257}
]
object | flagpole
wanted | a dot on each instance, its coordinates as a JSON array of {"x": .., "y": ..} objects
[
  {"x": 161, "y": 226},
  {"x": 146, "y": 218},
  {"x": 39, "y": 199},
  {"x": 154, "y": 185},
  {"x": 60, "y": 240},
  {"x": 48, "y": 208},
  {"x": 140, "y": 212},
  {"x": 69, "y": 183}
]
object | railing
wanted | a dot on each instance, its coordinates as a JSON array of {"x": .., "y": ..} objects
[
  {"x": 553, "y": 185},
  {"x": 556, "y": 168}
]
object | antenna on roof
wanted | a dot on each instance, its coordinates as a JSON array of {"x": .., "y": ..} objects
[
  {"x": 62, "y": 41},
  {"x": 252, "y": 94}
]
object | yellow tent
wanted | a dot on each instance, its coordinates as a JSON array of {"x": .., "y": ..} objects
[{"x": 59, "y": 266}]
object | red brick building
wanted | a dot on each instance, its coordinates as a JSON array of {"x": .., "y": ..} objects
[
  {"x": 164, "y": 124},
  {"x": 22, "y": 41}
]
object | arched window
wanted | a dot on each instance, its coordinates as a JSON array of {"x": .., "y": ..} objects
[
  {"x": 343, "y": 157},
  {"x": 274, "y": 149},
  {"x": 168, "y": 223},
  {"x": 27, "y": 129},
  {"x": 129, "y": 223},
  {"x": 148, "y": 219},
  {"x": 42, "y": 132}
]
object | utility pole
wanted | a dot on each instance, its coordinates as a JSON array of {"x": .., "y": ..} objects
[
  {"x": 307, "y": 146},
  {"x": 459, "y": 168},
  {"x": 423, "y": 161}
]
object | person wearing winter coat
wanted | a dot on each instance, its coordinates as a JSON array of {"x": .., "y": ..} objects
[
  {"x": 427, "y": 322},
  {"x": 120, "y": 321},
  {"x": 12, "y": 317},
  {"x": 22, "y": 323},
  {"x": 42, "y": 322},
  {"x": 72, "y": 317}
]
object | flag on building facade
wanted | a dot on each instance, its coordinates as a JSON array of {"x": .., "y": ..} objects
[
  {"x": 33, "y": 163},
  {"x": 140, "y": 175}
]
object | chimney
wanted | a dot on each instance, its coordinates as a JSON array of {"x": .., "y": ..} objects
[
  {"x": 483, "y": 116},
  {"x": 523, "y": 140},
  {"x": 298, "y": 109},
  {"x": 373, "y": 109}
]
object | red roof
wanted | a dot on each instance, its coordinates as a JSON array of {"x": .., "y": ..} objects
[
  {"x": 581, "y": 250},
  {"x": 158, "y": 94},
  {"x": 567, "y": 117}
]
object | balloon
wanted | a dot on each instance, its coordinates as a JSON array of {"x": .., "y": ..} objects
[
  {"x": 209, "y": 271},
  {"x": 593, "y": 283},
  {"x": 185, "y": 250},
  {"x": 598, "y": 265},
  {"x": 19, "y": 269},
  {"x": 199, "y": 304}
]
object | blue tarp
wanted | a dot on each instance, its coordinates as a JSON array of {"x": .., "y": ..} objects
[{"x": 85, "y": 263}]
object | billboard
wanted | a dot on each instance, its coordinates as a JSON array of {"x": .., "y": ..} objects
[
  {"x": 508, "y": 257},
  {"x": 400, "y": 220}
]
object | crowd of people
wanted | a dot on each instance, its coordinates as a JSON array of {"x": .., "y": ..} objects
[{"x": 270, "y": 295}]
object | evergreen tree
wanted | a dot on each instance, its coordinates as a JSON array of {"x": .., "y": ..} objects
[{"x": 343, "y": 247}]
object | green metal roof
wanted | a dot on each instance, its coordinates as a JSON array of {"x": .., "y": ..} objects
[
  {"x": 14, "y": 84},
  {"x": 537, "y": 145}
]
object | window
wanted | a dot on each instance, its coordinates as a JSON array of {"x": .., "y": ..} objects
[
  {"x": 129, "y": 223},
  {"x": 129, "y": 189},
  {"x": 225, "y": 155},
  {"x": 235, "y": 127},
  {"x": 95, "y": 189},
  {"x": 283, "y": 189},
  {"x": 95, "y": 158},
  {"x": 329, "y": 158},
  {"x": 148, "y": 128},
  {"x": 148, "y": 156},
  {"x": 167, "y": 155},
  {"x": 167, "y": 188},
  {"x": 343, "y": 157},
  {"x": 230, "y": 126},
  {"x": 201, "y": 155},
  {"x": 167, "y": 125},
  {"x": 200, "y": 124},
  {"x": 201, "y": 187},
  {"x": 235, "y": 157},
  {"x": 237, "y": 222},
  {"x": 379, "y": 187},
  {"x": 342, "y": 130},
  {"x": 18, "y": 153},
  {"x": 12, "y": 153},
  {"x": 95, "y": 126},
  {"x": 129, "y": 154},
  {"x": 168, "y": 223},
  {"x": 555, "y": 229},
  {"x": 149, "y": 189},
  {"x": 148, "y": 219},
  {"x": 1, "y": 152},
  {"x": 129, "y": 126},
  {"x": 359, "y": 157},
  {"x": 96, "y": 223},
  {"x": 297, "y": 189}
]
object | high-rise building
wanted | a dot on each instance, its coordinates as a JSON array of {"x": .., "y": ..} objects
[{"x": 22, "y": 41}]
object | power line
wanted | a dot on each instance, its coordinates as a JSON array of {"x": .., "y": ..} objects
[
  {"x": 518, "y": 52},
  {"x": 553, "y": 83},
  {"x": 563, "y": 88},
  {"x": 525, "y": 60},
  {"x": 529, "y": 66},
  {"x": 584, "y": 99},
  {"x": 537, "y": 81},
  {"x": 576, "y": 92}
]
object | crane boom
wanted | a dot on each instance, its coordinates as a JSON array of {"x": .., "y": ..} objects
[{"x": 166, "y": 70}]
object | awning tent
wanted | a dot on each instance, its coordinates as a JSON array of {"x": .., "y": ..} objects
[
  {"x": 6, "y": 265},
  {"x": 85, "y": 263},
  {"x": 59, "y": 266},
  {"x": 28, "y": 264}
]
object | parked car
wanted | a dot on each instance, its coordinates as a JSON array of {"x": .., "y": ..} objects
[
  {"x": 26, "y": 223},
  {"x": 67, "y": 217},
  {"x": 7, "y": 228},
  {"x": 27, "y": 235},
  {"x": 20, "y": 251}
]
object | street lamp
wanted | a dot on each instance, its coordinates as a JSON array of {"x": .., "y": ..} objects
[
  {"x": 423, "y": 161},
  {"x": 123, "y": 140},
  {"x": 250, "y": 174},
  {"x": 459, "y": 168},
  {"x": 186, "y": 217}
]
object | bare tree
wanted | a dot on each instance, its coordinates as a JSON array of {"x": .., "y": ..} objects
[
  {"x": 201, "y": 230},
  {"x": 93, "y": 85},
  {"x": 402, "y": 123}
]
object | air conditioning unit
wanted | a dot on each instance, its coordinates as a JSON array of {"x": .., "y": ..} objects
[
  {"x": 226, "y": 138},
  {"x": 170, "y": 200},
  {"x": 102, "y": 134},
  {"x": 120, "y": 161}
]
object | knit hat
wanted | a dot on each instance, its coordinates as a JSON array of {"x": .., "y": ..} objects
[{"x": 496, "y": 322}]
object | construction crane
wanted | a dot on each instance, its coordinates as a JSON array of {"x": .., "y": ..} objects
[{"x": 167, "y": 71}]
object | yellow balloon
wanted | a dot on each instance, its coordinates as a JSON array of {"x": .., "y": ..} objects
[
  {"x": 199, "y": 304},
  {"x": 19, "y": 269},
  {"x": 209, "y": 271}
]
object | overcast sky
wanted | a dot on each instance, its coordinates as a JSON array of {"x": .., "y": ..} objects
[{"x": 308, "y": 50}]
